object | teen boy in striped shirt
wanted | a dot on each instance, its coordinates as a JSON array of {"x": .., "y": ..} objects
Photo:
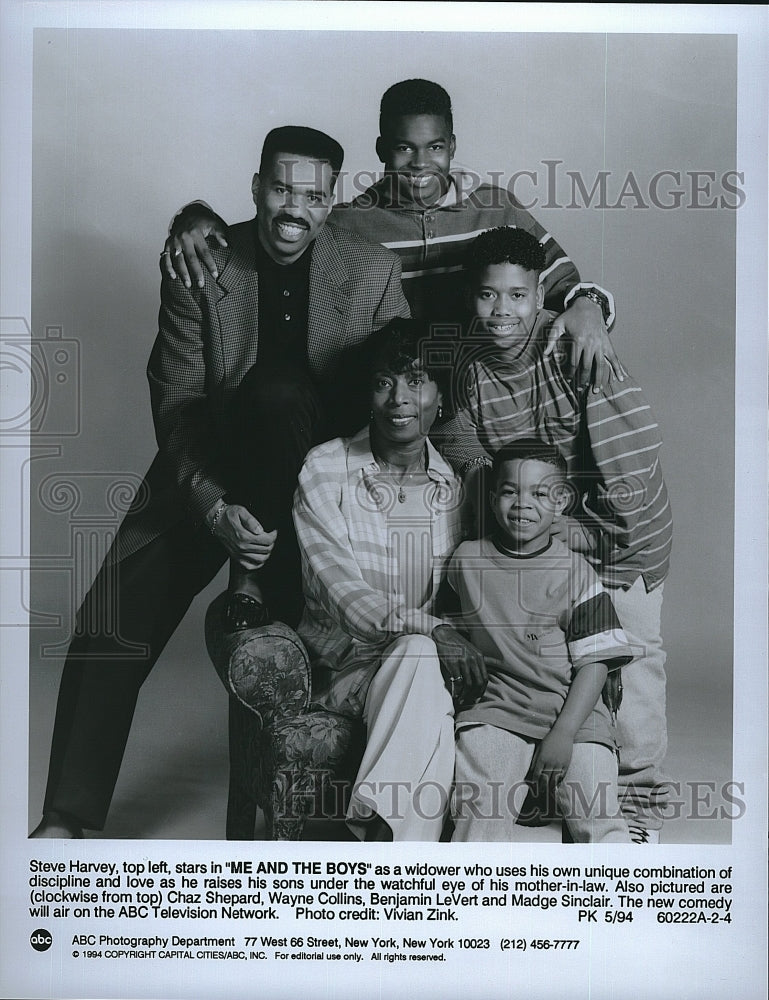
[{"x": 507, "y": 389}]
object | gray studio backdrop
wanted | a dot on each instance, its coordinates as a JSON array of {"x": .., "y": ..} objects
[{"x": 129, "y": 125}]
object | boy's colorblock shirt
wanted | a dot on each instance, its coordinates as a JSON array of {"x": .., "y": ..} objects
[
  {"x": 610, "y": 441},
  {"x": 537, "y": 620}
]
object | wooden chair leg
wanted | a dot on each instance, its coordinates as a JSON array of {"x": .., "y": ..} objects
[{"x": 241, "y": 804}]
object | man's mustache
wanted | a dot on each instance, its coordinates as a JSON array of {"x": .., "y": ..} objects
[{"x": 291, "y": 220}]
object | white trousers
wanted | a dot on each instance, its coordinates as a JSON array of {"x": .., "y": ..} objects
[{"x": 406, "y": 772}]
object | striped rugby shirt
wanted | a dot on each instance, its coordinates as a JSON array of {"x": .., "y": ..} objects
[
  {"x": 432, "y": 243},
  {"x": 610, "y": 441}
]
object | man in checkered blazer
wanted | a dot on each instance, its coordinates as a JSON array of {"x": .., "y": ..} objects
[{"x": 243, "y": 381}]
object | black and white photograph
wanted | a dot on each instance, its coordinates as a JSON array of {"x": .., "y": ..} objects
[{"x": 384, "y": 460}]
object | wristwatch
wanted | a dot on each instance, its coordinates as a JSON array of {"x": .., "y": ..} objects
[
  {"x": 603, "y": 299},
  {"x": 595, "y": 296}
]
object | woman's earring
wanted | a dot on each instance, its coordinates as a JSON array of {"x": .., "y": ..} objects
[
  {"x": 371, "y": 414},
  {"x": 440, "y": 412}
]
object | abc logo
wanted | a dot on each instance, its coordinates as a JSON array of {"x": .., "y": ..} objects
[{"x": 41, "y": 940}]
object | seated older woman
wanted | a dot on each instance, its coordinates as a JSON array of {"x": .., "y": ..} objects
[{"x": 377, "y": 516}]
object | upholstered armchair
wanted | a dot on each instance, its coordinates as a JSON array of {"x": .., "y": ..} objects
[{"x": 284, "y": 755}]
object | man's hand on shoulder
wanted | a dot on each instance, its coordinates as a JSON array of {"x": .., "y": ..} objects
[
  {"x": 592, "y": 360},
  {"x": 185, "y": 251}
]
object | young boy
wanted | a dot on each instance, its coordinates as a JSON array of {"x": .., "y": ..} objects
[
  {"x": 507, "y": 389},
  {"x": 549, "y": 635}
]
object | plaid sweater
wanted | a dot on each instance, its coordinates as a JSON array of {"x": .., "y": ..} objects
[{"x": 610, "y": 441}]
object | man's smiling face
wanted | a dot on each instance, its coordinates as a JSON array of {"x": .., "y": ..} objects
[{"x": 293, "y": 198}]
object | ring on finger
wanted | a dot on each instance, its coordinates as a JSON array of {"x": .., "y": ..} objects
[
  {"x": 177, "y": 251},
  {"x": 165, "y": 253}
]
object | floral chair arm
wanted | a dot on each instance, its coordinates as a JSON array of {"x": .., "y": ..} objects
[{"x": 267, "y": 669}]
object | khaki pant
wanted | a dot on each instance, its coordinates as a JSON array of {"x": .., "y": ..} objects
[
  {"x": 642, "y": 734},
  {"x": 490, "y": 788}
]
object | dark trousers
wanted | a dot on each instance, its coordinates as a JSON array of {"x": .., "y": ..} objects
[
  {"x": 135, "y": 605},
  {"x": 276, "y": 417}
]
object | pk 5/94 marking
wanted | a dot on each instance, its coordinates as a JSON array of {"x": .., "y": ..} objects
[{"x": 609, "y": 916}]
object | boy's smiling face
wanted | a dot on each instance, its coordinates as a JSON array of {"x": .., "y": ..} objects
[
  {"x": 418, "y": 150},
  {"x": 528, "y": 497},
  {"x": 507, "y": 299}
]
